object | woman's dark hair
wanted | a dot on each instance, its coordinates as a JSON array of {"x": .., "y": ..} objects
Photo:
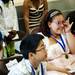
[
  {"x": 48, "y": 17},
  {"x": 71, "y": 15},
  {"x": 30, "y": 43}
]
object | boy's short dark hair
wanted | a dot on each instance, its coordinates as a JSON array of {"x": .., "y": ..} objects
[{"x": 29, "y": 44}]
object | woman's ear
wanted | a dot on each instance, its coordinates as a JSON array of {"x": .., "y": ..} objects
[{"x": 49, "y": 24}]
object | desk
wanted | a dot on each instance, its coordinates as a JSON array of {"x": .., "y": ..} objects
[
  {"x": 16, "y": 56},
  {"x": 3, "y": 68}
]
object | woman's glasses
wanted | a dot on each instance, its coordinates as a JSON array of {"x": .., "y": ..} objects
[{"x": 59, "y": 22}]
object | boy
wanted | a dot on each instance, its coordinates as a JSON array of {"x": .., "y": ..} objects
[{"x": 33, "y": 50}]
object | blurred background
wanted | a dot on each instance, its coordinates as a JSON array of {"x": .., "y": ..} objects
[{"x": 64, "y": 5}]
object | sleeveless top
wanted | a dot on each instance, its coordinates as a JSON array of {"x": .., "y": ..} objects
[
  {"x": 35, "y": 15},
  {"x": 56, "y": 53},
  {"x": 55, "y": 50},
  {"x": 56, "y": 56}
]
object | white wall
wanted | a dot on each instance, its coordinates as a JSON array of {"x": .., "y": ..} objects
[
  {"x": 63, "y": 5},
  {"x": 20, "y": 2}
]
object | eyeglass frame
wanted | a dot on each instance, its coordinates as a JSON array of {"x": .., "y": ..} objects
[{"x": 42, "y": 48}]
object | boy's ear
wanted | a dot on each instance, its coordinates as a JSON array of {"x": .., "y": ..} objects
[
  {"x": 30, "y": 54},
  {"x": 49, "y": 24}
]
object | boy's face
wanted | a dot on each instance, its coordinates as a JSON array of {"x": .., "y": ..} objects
[{"x": 41, "y": 54}]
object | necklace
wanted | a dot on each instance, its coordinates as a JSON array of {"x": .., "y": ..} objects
[
  {"x": 33, "y": 72},
  {"x": 42, "y": 70},
  {"x": 62, "y": 45}
]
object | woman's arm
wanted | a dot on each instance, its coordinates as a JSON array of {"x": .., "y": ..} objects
[
  {"x": 45, "y": 5},
  {"x": 45, "y": 8},
  {"x": 71, "y": 42},
  {"x": 69, "y": 36},
  {"x": 26, "y": 7},
  {"x": 51, "y": 67}
]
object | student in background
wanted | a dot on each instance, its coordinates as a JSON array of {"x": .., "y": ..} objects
[
  {"x": 8, "y": 23},
  {"x": 33, "y": 12},
  {"x": 8, "y": 17}
]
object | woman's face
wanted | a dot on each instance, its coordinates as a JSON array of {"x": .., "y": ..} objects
[{"x": 57, "y": 25}]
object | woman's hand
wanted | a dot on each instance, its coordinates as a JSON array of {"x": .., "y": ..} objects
[{"x": 67, "y": 25}]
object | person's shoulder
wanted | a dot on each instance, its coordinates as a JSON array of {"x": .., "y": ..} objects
[
  {"x": 44, "y": 1},
  {"x": 14, "y": 71},
  {"x": 22, "y": 67},
  {"x": 27, "y": 1},
  {"x": 19, "y": 69}
]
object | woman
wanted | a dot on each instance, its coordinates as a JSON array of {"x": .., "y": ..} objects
[
  {"x": 33, "y": 11},
  {"x": 59, "y": 40}
]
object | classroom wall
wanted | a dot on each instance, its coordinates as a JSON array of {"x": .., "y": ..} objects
[{"x": 64, "y": 5}]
